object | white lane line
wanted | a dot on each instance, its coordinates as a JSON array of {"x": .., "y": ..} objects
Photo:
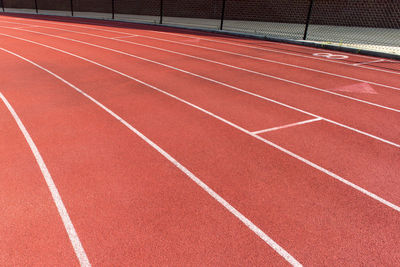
[
  {"x": 368, "y": 62},
  {"x": 201, "y": 77},
  {"x": 62, "y": 211},
  {"x": 227, "y": 65},
  {"x": 72, "y": 24},
  {"x": 222, "y": 64},
  {"x": 297, "y": 54},
  {"x": 116, "y": 38},
  {"x": 23, "y": 27},
  {"x": 286, "y": 126},
  {"x": 333, "y": 175},
  {"x": 195, "y": 179},
  {"x": 272, "y": 61}
]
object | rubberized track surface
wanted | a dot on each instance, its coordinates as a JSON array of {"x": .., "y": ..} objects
[{"x": 125, "y": 144}]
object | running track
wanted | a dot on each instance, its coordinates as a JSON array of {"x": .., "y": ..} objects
[{"x": 125, "y": 144}]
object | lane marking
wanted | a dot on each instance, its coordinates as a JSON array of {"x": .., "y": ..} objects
[
  {"x": 368, "y": 62},
  {"x": 205, "y": 78},
  {"x": 116, "y": 38},
  {"x": 231, "y": 66},
  {"x": 72, "y": 24},
  {"x": 188, "y": 173},
  {"x": 62, "y": 211},
  {"x": 286, "y": 126},
  {"x": 333, "y": 175},
  {"x": 214, "y": 62},
  {"x": 281, "y": 52},
  {"x": 330, "y": 56}
]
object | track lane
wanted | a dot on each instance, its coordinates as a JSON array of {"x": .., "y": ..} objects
[
  {"x": 370, "y": 164},
  {"x": 249, "y": 133},
  {"x": 231, "y": 42},
  {"x": 242, "y": 109},
  {"x": 354, "y": 114},
  {"x": 195, "y": 43},
  {"x": 130, "y": 205},
  {"x": 31, "y": 230},
  {"x": 305, "y": 188},
  {"x": 358, "y": 90}
]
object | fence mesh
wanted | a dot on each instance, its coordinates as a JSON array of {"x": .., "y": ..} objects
[
  {"x": 19, "y": 4},
  {"x": 141, "y": 11},
  {"x": 372, "y": 24},
  {"x": 59, "y": 5},
  {"x": 283, "y": 19},
  {"x": 366, "y": 24},
  {"x": 194, "y": 13}
]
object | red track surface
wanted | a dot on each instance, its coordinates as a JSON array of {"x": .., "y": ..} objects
[{"x": 326, "y": 191}]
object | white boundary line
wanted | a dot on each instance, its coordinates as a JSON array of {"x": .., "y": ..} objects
[
  {"x": 208, "y": 79},
  {"x": 119, "y": 37},
  {"x": 374, "y": 61},
  {"x": 72, "y": 24},
  {"x": 333, "y": 175},
  {"x": 218, "y": 63},
  {"x": 286, "y": 126},
  {"x": 182, "y": 168},
  {"x": 280, "y": 52},
  {"x": 219, "y": 37},
  {"x": 207, "y": 48},
  {"x": 62, "y": 211}
]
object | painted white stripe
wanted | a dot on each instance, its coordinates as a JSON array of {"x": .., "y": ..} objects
[
  {"x": 62, "y": 211},
  {"x": 205, "y": 78},
  {"x": 368, "y": 62},
  {"x": 217, "y": 50},
  {"x": 239, "y": 68},
  {"x": 286, "y": 126},
  {"x": 116, "y": 38},
  {"x": 272, "y": 61},
  {"x": 219, "y": 41},
  {"x": 195, "y": 179},
  {"x": 281, "y": 52},
  {"x": 333, "y": 175}
]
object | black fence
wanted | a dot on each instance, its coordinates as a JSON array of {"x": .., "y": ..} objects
[{"x": 367, "y": 22}]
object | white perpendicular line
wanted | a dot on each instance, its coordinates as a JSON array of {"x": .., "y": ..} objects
[
  {"x": 286, "y": 126},
  {"x": 282, "y": 252},
  {"x": 202, "y": 47},
  {"x": 368, "y": 62},
  {"x": 333, "y": 175},
  {"x": 198, "y": 76},
  {"x": 62, "y": 211}
]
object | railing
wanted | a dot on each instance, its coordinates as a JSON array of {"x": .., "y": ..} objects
[{"x": 366, "y": 24}]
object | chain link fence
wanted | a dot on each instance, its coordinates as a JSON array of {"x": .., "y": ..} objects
[{"x": 363, "y": 24}]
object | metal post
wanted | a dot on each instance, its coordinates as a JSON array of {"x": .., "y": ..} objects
[
  {"x": 222, "y": 15},
  {"x": 308, "y": 19},
  {"x": 113, "y": 8},
  {"x": 72, "y": 8},
  {"x": 161, "y": 10},
  {"x": 37, "y": 11}
]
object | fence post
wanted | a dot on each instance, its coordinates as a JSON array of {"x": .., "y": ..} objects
[
  {"x": 161, "y": 10},
  {"x": 222, "y": 15},
  {"x": 308, "y": 19},
  {"x": 37, "y": 11},
  {"x": 72, "y": 8},
  {"x": 113, "y": 8}
]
